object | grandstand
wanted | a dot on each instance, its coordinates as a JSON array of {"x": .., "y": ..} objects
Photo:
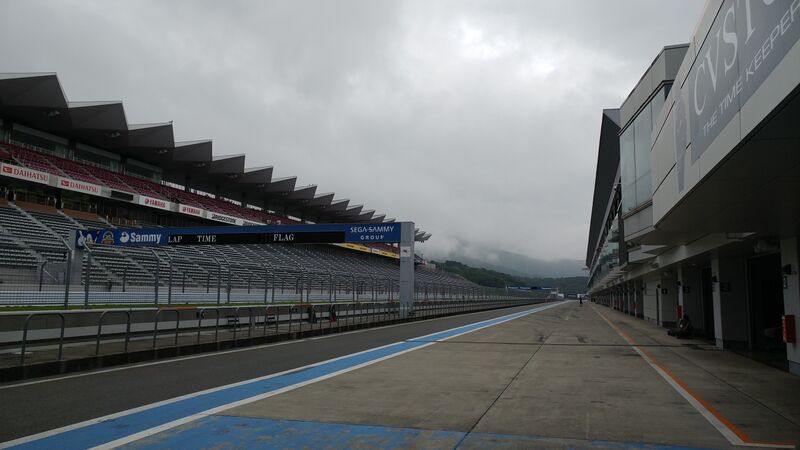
[{"x": 77, "y": 165}]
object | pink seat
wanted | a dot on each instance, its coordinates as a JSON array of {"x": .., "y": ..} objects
[{"x": 130, "y": 183}]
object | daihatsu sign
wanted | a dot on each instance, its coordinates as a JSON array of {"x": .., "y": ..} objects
[{"x": 23, "y": 173}]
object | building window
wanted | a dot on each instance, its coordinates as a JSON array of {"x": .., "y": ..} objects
[
  {"x": 634, "y": 154},
  {"x": 643, "y": 126},
  {"x": 627, "y": 170}
]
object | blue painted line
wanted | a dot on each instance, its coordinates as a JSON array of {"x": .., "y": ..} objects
[
  {"x": 247, "y": 432},
  {"x": 252, "y": 432},
  {"x": 120, "y": 427}
]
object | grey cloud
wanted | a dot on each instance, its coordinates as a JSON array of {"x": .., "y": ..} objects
[{"x": 489, "y": 110}]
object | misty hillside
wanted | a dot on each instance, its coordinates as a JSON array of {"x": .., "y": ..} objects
[
  {"x": 512, "y": 263},
  {"x": 493, "y": 278}
]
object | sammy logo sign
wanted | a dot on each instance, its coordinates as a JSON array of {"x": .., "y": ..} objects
[
  {"x": 134, "y": 238},
  {"x": 110, "y": 237}
]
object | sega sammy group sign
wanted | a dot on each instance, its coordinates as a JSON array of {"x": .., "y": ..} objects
[{"x": 262, "y": 234}]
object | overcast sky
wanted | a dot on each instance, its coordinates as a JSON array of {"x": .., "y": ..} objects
[{"x": 478, "y": 120}]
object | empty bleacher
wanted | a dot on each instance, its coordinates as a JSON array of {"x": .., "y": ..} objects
[
  {"x": 37, "y": 234},
  {"x": 34, "y": 235}
]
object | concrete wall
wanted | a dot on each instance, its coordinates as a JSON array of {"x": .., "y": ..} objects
[
  {"x": 790, "y": 254},
  {"x": 649, "y": 298},
  {"x": 691, "y": 295},
  {"x": 730, "y": 302},
  {"x": 663, "y": 68},
  {"x": 639, "y": 298},
  {"x": 668, "y": 303}
]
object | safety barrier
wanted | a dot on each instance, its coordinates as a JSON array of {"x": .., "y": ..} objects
[{"x": 141, "y": 329}]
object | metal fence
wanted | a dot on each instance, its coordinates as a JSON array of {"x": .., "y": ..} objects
[
  {"x": 105, "y": 276},
  {"x": 58, "y": 335}
]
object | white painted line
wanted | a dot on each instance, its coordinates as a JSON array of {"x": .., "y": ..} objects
[
  {"x": 727, "y": 430},
  {"x": 224, "y": 352},
  {"x": 184, "y": 420},
  {"x": 55, "y": 431},
  {"x": 193, "y": 417},
  {"x": 188, "y": 419}
]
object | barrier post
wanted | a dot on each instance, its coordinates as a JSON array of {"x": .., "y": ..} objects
[
  {"x": 87, "y": 276},
  {"x": 67, "y": 279},
  {"x": 219, "y": 281},
  {"x": 41, "y": 274},
  {"x": 266, "y": 286},
  {"x": 169, "y": 279}
]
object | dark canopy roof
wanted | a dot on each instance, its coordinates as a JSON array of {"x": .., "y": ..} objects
[{"x": 37, "y": 100}]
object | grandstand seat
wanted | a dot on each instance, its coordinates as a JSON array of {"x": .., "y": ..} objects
[
  {"x": 31, "y": 159},
  {"x": 29, "y": 238}
]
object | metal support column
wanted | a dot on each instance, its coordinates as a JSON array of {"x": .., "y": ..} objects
[{"x": 407, "y": 267}]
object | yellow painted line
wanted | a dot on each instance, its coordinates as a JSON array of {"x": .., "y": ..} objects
[{"x": 731, "y": 432}]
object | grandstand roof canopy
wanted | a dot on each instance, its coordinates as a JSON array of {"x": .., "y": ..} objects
[{"x": 37, "y": 100}]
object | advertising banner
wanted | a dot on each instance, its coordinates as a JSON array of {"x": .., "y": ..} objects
[
  {"x": 368, "y": 249},
  {"x": 23, "y": 173},
  {"x": 262, "y": 234},
  {"x": 747, "y": 40},
  {"x": 191, "y": 210},
  {"x": 79, "y": 186},
  {"x": 393, "y": 255},
  {"x": 210, "y": 215},
  {"x": 155, "y": 203}
]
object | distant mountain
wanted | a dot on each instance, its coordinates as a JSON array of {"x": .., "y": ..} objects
[
  {"x": 509, "y": 262},
  {"x": 494, "y": 278}
]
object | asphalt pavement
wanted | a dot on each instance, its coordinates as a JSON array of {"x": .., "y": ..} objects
[{"x": 41, "y": 405}]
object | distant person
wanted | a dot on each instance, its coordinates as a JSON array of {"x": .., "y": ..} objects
[
  {"x": 580, "y": 301},
  {"x": 332, "y": 313},
  {"x": 684, "y": 328},
  {"x": 312, "y": 315}
]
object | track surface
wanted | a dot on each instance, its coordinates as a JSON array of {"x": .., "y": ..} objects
[
  {"x": 558, "y": 375},
  {"x": 38, "y": 406}
]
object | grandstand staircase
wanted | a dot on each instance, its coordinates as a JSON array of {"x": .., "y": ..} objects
[
  {"x": 184, "y": 266},
  {"x": 120, "y": 259},
  {"x": 39, "y": 227},
  {"x": 11, "y": 242},
  {"x": 59, "y": 239},
  {"x": 38, "y": 223}
]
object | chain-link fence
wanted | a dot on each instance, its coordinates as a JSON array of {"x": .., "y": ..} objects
[
  {"x": 37, "y": 282},
  {"x": 108, "y": 275}
]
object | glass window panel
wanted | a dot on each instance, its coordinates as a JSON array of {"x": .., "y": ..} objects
[
  {"x": 626, "y": 157},
  {"x": 658, "y": 103},
  {"x": 642, "y": 126},
  {"x": 628, "y": 197},
  {"x": 644, "y": 189}
]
